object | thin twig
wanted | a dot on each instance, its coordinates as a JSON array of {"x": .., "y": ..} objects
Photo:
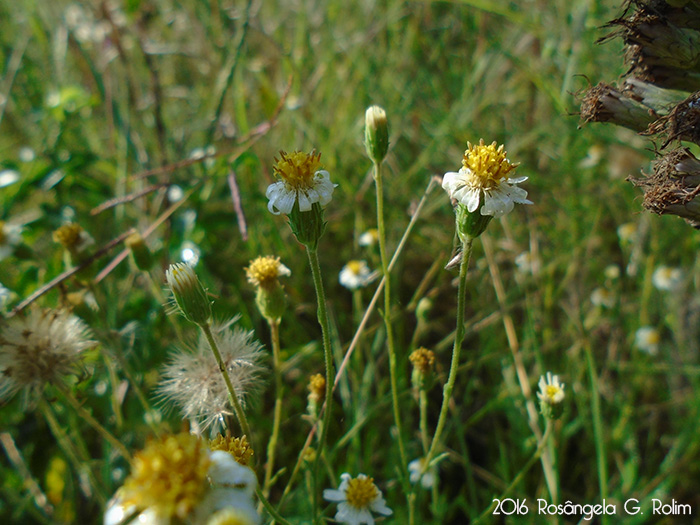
[{"x": 69, "y": 273}]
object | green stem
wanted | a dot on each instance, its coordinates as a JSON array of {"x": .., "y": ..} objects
[
  {"x": 597, "y": 426},
  {"x": 381, "y": 229},
  {"x": 423, "y": 409},
  {"x": 328, "y": 357},
  {"x": 80, "y": 464},
  {"x": 233, "y": 398},
  {"x": 270, "y": 509},
  {"x": 87, "y": 417},
  {"x": 393, "y": 373},
  {"x": 277, "y": 418},
  {"x": 456, "y": 349},
  {"x": 487, "y": 515}
]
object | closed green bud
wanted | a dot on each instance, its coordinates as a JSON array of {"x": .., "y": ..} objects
[
  {"x": 376, "y": 133},
  {"x": 140, "y": 254},
  {"x": 189, "y": 294}
]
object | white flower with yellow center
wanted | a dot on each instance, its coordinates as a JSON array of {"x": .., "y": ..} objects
[
  {"x": 355, "y": 274},
  {"x": 647, "y": 339},
  {"x": 301, "y": 181},
  {"x": 483, "y": 181},
  {"x": 357, "y": 498},
  {"x": 10, "y": 236},
  {"x": 427, "y": 478},
  {"x": 551, "y": 390},
  {"x": 667, "y": 279}
]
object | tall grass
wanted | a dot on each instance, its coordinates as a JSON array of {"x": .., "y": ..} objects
[{"x": 104, "y": 95}]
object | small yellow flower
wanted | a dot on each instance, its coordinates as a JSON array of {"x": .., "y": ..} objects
[
  {"x": 483, "y": 181},
  {"x": 169, "y": 476},
  {"x": 317, "y": 387},
  {"x": 422, "y": 359},
  {"x": 239, "y": 448},
  {"x": 301, "y": 181},
  {"x": 266, "y": 271}
]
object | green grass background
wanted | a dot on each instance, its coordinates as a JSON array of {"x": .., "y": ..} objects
[{"x": 173, "y": 76}]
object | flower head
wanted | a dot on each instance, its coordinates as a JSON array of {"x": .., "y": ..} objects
[
  {"x": 427, "y": 478},
  {"x": 376, "y": 133},
  {"x": 551, "y": 395},
  {"x": 266, "y": 271},
  {"x": 41, "y": 347},
  {"x": 189, "y": 294},
  {"x": 317, "y": 391},
  {"x": 369, "y": 238},
  {"x": 10, "y": 236},
  {"x": 483, "y": 181},
  {"x": 239, "y": 448},
  {"x": 667, "y": 279},
  {"x": 193, "y": 383},
  {"x": 603, "y": 297},
  {"x": 355, "y": 274},
  {"x": 301, "y": 182},
  {"x": 647, "y": 339},
  {"x": 169, "y": 476},
  {"x": 73, "y": 238},
  {"x": 176, "y": 478},
  {"x": 357, "y": 498}
]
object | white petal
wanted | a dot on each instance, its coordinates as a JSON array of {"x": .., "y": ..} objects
[
  {"x": 285, "y": 202},
  {"x": 334, "y": 495},
  {"x": 516, "y": 180},
  {"x": 225, "y": 471},
  {"x": 450, "y": 181},
  {"x": 305, "y": 199},
  {"x": 379, "y": 506},
  {"x": 471, "y": 200}
]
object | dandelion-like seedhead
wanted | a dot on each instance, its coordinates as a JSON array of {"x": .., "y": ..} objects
[
  {"x": 357, "y": 498},
  {"x": 193, "y": 383},
  {"x": 551, "y": 396},
  {"x": 483, "y": 183},
  {"x": 355, "y": 274},
  {"x": 301, "y": 182},
  {"x": 41, "y": 347}
]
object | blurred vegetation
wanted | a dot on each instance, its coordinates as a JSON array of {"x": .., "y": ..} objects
[{"x": 95, "y": 95}]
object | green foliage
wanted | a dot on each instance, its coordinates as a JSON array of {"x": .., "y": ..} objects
[{"x": 134, "y": 105}]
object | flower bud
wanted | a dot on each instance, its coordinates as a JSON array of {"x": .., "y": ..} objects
[
  {"x": 140, "y": 254},
  {"x": 423, "y": 361},
  {"x": 189, "y": 294},
  {"x": 376, "y": 133},
  {"x": 264, "y": 274}
]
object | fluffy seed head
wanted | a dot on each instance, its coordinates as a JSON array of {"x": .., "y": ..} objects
[
  {"x": 41, "y": 347},
  {"x": 193, "y": 383}
]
